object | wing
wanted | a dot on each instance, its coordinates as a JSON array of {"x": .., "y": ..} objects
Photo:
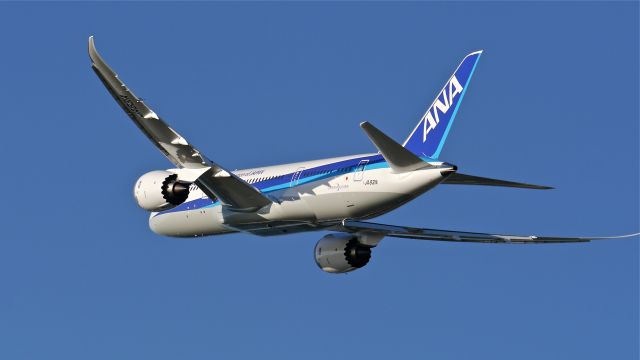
[
  {"x": 459, "y": 236},
  {"x": 231, "y": 190},
  {"x": 463, "y": 179},
  {"x": 172, "y": 145},
  {"x": 215, "y": 181}
]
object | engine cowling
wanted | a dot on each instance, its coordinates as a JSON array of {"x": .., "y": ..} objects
[
  {"x": 160, "y": 190},
  {"x": 341, "y": 253}
]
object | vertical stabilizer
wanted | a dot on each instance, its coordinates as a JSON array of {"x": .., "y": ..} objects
[{"x": 429, "y": 135}]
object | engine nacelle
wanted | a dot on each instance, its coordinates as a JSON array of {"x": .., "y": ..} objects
[
  {"x": 341, "y": 253},
  {"x": 160, "y": 190}
]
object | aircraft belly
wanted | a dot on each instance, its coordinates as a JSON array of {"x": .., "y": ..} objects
[
  {"x": 375, "y": 193},
  {"x": 350, "y": 204}
]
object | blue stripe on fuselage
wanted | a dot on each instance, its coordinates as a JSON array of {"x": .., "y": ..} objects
[{"x": 327, "y": 171}]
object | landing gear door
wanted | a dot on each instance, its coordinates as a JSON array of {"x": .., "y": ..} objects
[
  {"x": 296, "y": 177},
  {"x": 360, "y": 170}
]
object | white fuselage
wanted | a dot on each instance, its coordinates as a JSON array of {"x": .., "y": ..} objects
[{"x": 307, "y": 196}]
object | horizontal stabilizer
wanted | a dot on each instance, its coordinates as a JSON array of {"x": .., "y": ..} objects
[
  {"x": 463, "y": 179},
  {"x": 399, "y": 158}
]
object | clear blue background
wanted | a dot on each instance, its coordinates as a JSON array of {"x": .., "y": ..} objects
[{"x": 554, "y": 101}]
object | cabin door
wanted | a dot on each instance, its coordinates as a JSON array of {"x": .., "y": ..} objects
[
  {"x": 296, "y": 177},
  {"x": 357, "y": 176}
]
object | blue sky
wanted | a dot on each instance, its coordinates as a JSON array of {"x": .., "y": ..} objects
[{"x": 554, "y": 101}]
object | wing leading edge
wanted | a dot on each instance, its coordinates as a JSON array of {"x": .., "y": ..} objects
[
  {"x": 214, "y": 180},
  {"x": 460, "y": 236}
]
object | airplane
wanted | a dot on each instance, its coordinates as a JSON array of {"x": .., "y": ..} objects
[{"x": 200, "y": 197}]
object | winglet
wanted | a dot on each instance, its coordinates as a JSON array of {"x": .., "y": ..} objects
[
  {"x": 399, "y": 158},
  {"x": 99, "y": 65}
]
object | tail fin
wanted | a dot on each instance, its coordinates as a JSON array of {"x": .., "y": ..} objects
[{"x": 429, "y": 135}]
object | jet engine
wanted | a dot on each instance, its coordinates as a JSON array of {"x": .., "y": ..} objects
[
  {"x": 341, "y": 253},
  {"x": 160, "y": 190}
]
